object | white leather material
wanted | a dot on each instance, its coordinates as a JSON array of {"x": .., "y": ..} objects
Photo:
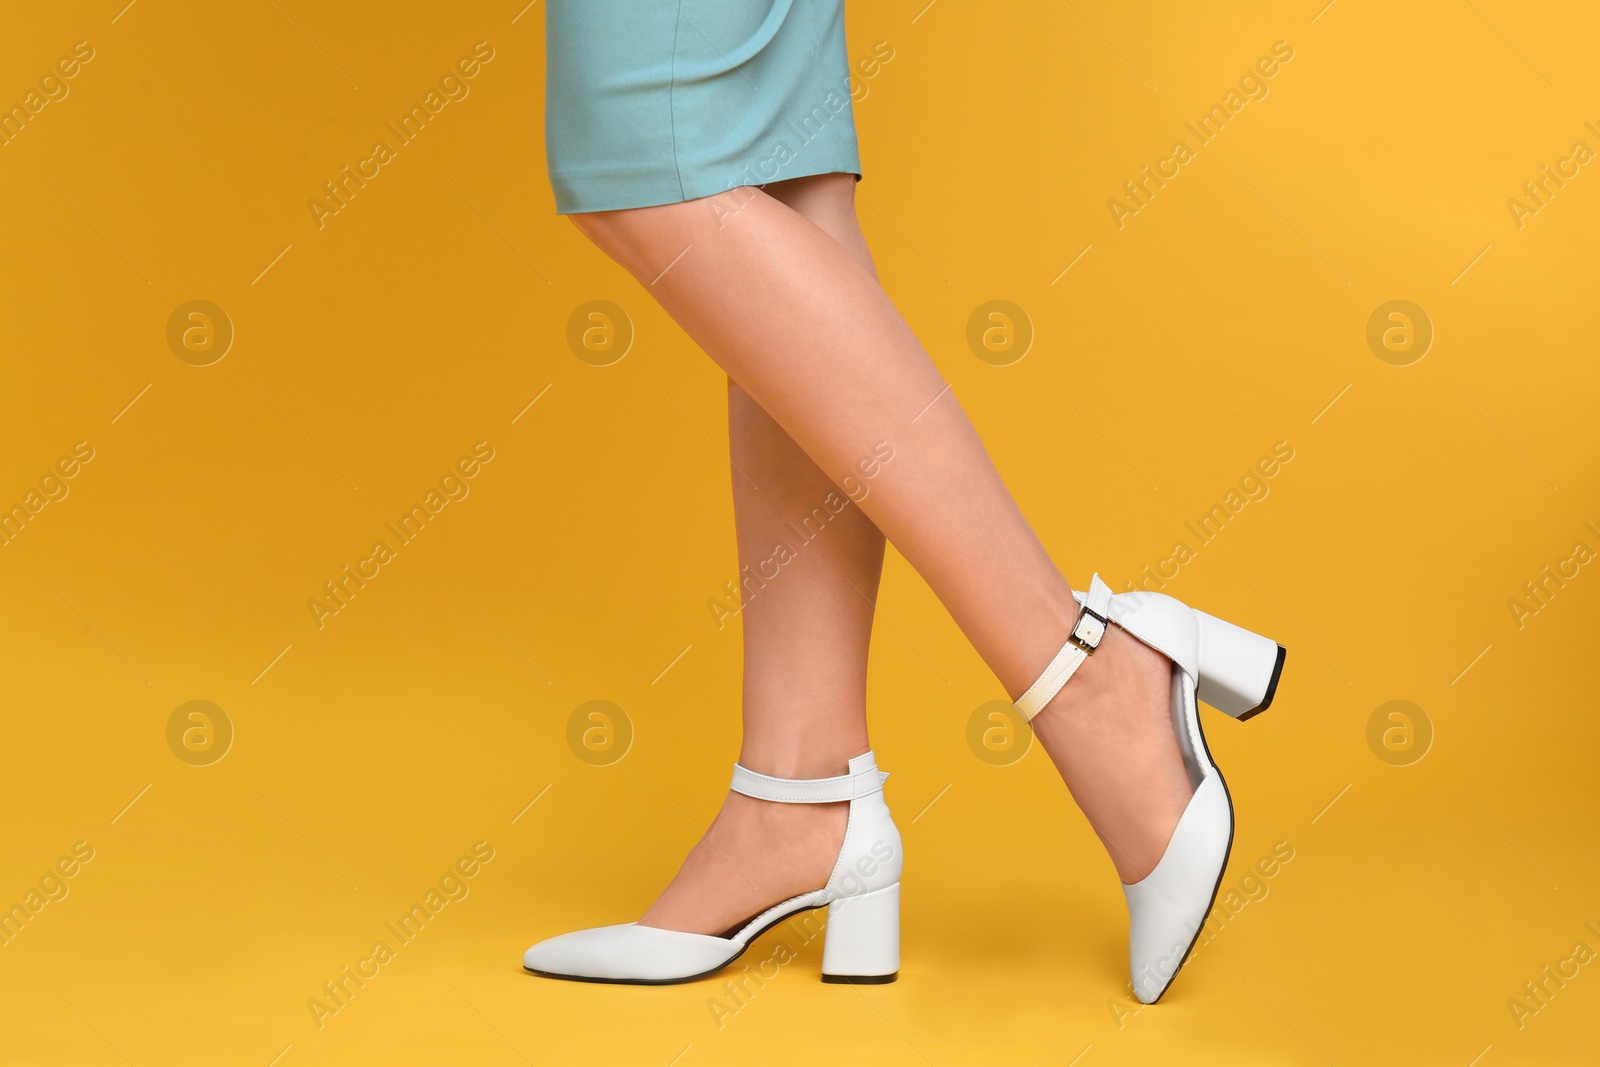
[
  {"x": 807, "y": 790},
  {"x": 1165, "y": 624},
  {"x": 1167, "y": 908},
  {"x": 1236, "y": 666},
  {"x": 869, "y": 861},
  {"x": 863, "y": 935},
  {"x": 1056, "y": 675},
  {"x": 870, "y": 857},
  {"x": 1088, "y": 630},
  {"x": 630, "y": 952}
]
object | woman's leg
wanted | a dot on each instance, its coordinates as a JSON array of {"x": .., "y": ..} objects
[
  {"x": 793, "y": 317},
  {"x": 806, "y": 623}
]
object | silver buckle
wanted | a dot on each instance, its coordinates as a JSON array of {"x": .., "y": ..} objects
[{"x": 1089, "y": 631}]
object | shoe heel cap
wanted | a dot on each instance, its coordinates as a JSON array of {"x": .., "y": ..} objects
[
  {"x": 860, "y": 979},
  {"x": 1272, "y": 687}
]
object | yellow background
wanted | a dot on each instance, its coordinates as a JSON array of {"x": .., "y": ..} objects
[{"x": 370, "y": 354}]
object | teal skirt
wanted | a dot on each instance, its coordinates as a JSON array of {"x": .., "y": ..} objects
[{"x": 660, "y": 101}]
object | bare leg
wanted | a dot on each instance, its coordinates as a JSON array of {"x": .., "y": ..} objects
[
  {"x": 807, "y": 623},
  {"x": 802, "y": 325}
]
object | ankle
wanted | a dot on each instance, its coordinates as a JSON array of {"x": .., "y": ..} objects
[
  {"x": 801, "y": 759},
  {"x": 1051, "y": 613}
]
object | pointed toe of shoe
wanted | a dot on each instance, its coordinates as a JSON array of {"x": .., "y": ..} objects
[
  {"x": 629, "y": 953},
  {"x": 1167, "y": 909},
  {"x": 1153, "y": 959},
  {"x": 574, "y": 955}
]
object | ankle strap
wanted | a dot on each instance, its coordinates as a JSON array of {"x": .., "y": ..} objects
[
  {"x": 863, "y": 780},
  {"x": 1081, "y": 643}
]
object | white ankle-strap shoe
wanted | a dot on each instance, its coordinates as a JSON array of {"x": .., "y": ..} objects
[
  {"x": 1233, "y": 670},
  {"x": 861, "y": 943}
]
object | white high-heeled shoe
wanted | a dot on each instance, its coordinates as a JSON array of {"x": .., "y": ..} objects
[
  {"x": 1233, "y": 670},
  {"x": 861, "y": 943}
]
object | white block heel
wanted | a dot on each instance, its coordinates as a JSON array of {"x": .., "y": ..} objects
[
  {"x": 1238, "y": 669},
  {"x": 1233, "y": 670},
  {"x": 862, "y": 895},
  {"x": 861, "y": 945}
]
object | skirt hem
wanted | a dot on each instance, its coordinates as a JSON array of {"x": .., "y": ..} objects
[{"x": 591, "y": 193}]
